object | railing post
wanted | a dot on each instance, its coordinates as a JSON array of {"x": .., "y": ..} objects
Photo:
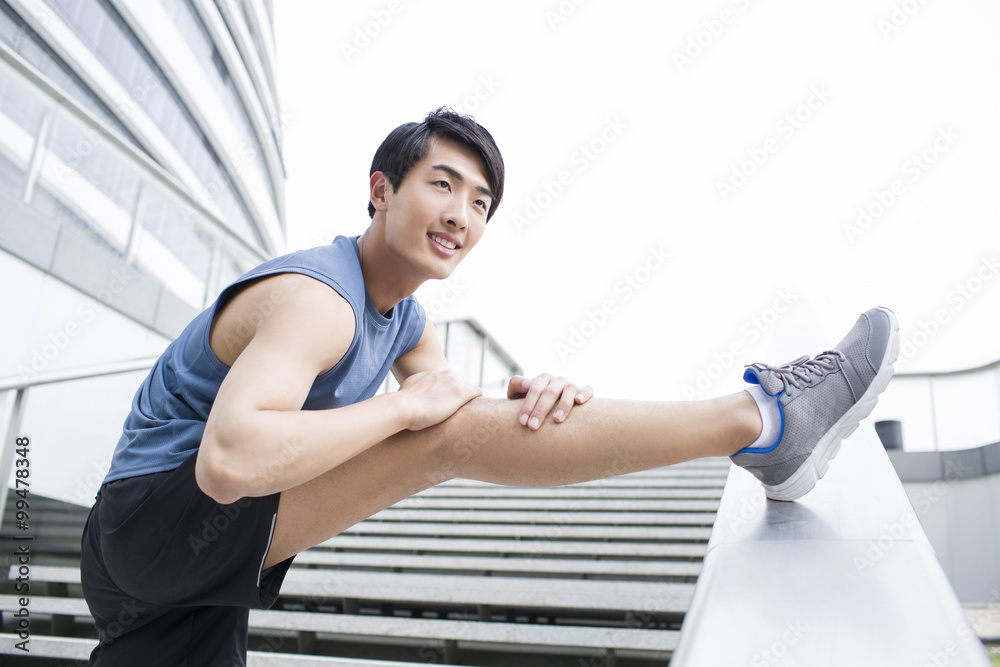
[
  {"x": 996, "y": 376},
  {"x": 934, "y": 421},
  {"x": 7, "y": 457},
  {"x": 484, "y": 339}
]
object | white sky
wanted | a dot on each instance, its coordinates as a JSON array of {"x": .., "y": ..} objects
[
  {"x": 881, "y": 97},
  {"x": 882, "y": 94}
]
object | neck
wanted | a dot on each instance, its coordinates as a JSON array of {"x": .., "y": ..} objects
[{"x": 386, "y": 279}]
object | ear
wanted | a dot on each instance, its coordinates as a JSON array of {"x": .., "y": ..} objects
[{"x": 379, "y": 189}]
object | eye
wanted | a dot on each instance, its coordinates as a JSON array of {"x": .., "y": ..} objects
[
  {"x": 480, "y": 203},
  {"x": 444, "y": 184}
]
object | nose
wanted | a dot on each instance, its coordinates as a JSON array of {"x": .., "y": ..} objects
[{"x": 456, "y": 215}]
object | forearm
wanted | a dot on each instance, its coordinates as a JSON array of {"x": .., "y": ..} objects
[{"x": 262, "y": 452}]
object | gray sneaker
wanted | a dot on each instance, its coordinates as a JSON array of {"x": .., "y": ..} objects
[{"x": 821, "y": 401}]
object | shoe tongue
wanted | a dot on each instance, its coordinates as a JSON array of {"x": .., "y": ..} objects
[{"x": 769, "y": 381}]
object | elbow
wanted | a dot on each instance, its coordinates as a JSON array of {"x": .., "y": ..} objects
[{"x": 217, "y": 474}]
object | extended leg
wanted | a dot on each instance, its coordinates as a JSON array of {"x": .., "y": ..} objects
[
  {"x": 484, "y": 441},
  {"x": 818, "y": 401}
]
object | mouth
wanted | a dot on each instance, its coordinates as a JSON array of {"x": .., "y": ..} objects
[{"x": 443, "y": 245}]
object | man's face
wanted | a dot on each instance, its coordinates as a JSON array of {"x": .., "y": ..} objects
[{"x": 438, "y": 213}]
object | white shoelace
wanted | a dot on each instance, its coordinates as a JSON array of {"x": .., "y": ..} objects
[{"x": 804, "y": 368}]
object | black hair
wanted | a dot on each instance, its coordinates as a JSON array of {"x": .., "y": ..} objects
[{"x": 407, "y": 145}]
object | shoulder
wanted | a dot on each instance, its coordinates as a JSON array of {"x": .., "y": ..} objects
[
  {"x": 300, "y": 291},
  {"x": 290, "y": 309},
  {"x": 335, "y": 264}
]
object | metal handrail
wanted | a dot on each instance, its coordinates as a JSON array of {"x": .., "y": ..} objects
[
  {"x": 962, "y": 371},
  {"x": 806, "y": 582},
  {"x": 21, "y": 383},
  {"x": 492, "y": 345}
]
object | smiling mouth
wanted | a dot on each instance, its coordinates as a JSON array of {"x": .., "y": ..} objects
[{"x": 445, "y": 242}]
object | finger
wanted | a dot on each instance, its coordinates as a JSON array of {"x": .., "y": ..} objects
[
  {"x": 546, "y": 400},
  {"x": 517, "y": 386},
  {"x": 531, "y": 397},
  {"x": 565, "y": 403},
  {"x": 584, "y": 394}
]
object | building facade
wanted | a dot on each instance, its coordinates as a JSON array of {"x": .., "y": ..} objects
[{"x": 140, "y": 171}]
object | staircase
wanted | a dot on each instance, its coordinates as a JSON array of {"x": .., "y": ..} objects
[{"x": 464, "y": 573}]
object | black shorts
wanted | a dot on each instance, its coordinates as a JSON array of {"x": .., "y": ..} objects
[{"x": 170, "y": 575}]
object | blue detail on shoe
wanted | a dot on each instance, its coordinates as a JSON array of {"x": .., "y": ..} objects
[
  {"x": 750, "y": 376},
  {"x": 827, "y": 396}
]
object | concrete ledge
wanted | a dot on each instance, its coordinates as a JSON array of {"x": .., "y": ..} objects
[
  {"x": 985, "y": 619},
  {"x": 948, "y": 466},
  {"x": 844, "y": 576},
  {"x": 95, "y": 271},
  {"x": 26, "y": 233}
]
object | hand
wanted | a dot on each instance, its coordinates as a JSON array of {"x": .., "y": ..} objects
[
  {"x": 543, "y": 394},
  {"x": 434, "y": 396}
]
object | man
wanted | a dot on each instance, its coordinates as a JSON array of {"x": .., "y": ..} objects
[{"x": 264, "y": 412}]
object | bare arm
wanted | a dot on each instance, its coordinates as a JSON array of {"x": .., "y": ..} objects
[
  {"x": 258, "y": 440},
  {"x": 426, "y": 355},
  {"x": 542, "y": 396}
]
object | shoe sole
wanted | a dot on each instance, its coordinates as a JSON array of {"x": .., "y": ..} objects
[{"x": 812, "y": 469}]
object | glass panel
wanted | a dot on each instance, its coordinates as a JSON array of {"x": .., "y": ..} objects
[
  {"x": 22, "y": 111},
  {"x": 175, "y": 226},
  {"x": 442, "y": 332},
  {"x": 967, "y": 408},
  {"x": 60, "y": 212},
  {"x": 109, "y": 45},
  {"x": 964, "y": 410},
  {"x": 89, "y": 187},
  {"x": 496, "y": 374},
  {"x": 71, "y": 421},
  {"x": 87, "y": 153},
  {"x": 465, "y": 350},
  {"x": 88, "y": 21},
  {"x": 151, "y": 91},
  {"x": 190, "y": 25},
  {"x": 29, "y": 46},
  {"x": 129, "y": 64},
  {"x": 229, "y": 270},
  {"x": 19, "y": 103},
  {"x": 71, "y": 7},
  {"x": 35, "y": 54},
  {"x": 10, "y": 29},
  {"x": 12, "y": 178},
  {"x": 909, "y": 401}
]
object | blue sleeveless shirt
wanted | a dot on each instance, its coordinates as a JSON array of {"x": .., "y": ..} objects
[{"x": 171, "y": 407}]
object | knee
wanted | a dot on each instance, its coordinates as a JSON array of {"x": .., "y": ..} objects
[
  {"x": 449, "y": 447},
  {"x": 471, "y": 430},
  {"x": 431, "y": 450},
  {"x": 447, "y": 450}
]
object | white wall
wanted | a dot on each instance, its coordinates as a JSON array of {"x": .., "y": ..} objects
[
  {"x": 49, "y": 326},
  {"x": 962, "y": 521}
]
